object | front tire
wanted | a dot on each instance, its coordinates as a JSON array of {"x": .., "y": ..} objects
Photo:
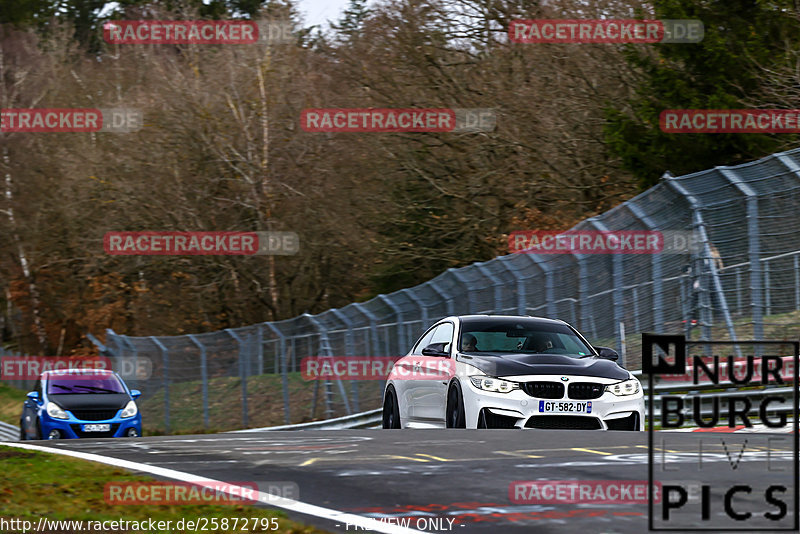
[
  {"x": 22, "y": 436},
  {"x": 455, "y": 416},
  {"x": 391, "y": 410}
]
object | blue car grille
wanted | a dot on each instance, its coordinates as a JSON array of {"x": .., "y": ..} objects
[{"x": 94, "y": 415}]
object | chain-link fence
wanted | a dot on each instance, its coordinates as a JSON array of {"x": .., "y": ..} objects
[{"x": 742, "y": 281}]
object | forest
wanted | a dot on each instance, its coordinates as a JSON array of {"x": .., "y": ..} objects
[{"x": 222, "y": 148}]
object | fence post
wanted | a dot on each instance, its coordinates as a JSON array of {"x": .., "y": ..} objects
[
  {"x": 496, "y": 285},
  {"x": 455, "y": 274},
  {"x": 135, "y": 352},
  {"x": 699, "y": 225},
  {"x": 767, "y": 303},
  {"x": 754, "y": 250},
  {"x": 617, "y": 273},
  {"x": 284, "y": 370},
  {"x": 423, "y": 311},
  {"x": 519, "y": 281},
  {"x": 203, "y": 377},
  {"x": 549, "y": 284},
  {"x": 165, "y": 361},
  {"x": 401, "y": 337},
  {"x": 260, "y": 349},
  {"x": 325, "y": 348},
  {"x": 373, "y": 339},
  {"x": 242, "y": 374},
  {"x": 447, "y": 298},
  {"x": 796, "y": 284},
  {"x": 655, "y": 260},
  {"x": 348, "y": 350}
]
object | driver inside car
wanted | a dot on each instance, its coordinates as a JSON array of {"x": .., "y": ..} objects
[{"x": 538, "y": 343}]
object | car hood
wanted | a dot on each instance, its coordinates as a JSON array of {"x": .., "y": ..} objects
[
  {"x": 514, "y": 364},
  {"x": 91, "y": 401}
]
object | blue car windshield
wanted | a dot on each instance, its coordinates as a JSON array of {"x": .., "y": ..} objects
[{"x": 83, "y": 383}]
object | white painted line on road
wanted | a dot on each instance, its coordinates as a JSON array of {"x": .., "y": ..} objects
[{"x": 266, "y": 498}]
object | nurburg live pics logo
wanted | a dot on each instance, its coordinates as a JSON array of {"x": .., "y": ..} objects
[{"x": 750, "y": 486}]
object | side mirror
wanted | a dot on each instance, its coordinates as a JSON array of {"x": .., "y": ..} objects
[
  {"x": 135, "y": 393},
  {"x": 33, "y": 395},
  {"x": 436, "y": 349},
  {"x": 607, "y": 354}
]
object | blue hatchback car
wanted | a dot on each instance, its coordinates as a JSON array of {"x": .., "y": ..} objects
[{"x": 80, "y": 403}]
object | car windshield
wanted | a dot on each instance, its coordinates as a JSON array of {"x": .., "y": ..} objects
[
  {"x": 523, "y": 337},
  {"x": 83, "y": 383}
]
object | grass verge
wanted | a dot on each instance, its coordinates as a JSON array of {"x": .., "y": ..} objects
[{"x": 35, "y": 484}]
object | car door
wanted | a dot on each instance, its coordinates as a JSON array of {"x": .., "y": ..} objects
[
  {"x": 431, "y": 389},
  {"x": 404, "y": 379},
  {"x": 30, "y": 410}
]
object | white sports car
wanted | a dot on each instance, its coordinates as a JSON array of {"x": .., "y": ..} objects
[{"x": 494, "y": 371}]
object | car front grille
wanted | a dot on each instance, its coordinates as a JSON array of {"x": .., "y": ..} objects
[
  {"x": 585, "y": 390},
  {"x": 563, "y": 422},
  {"x": 544, "y": 390},
  {"x": 81, "y": 434},
  {"x": 94, "y": 415}
]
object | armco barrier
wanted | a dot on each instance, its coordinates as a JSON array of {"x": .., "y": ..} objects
[
  {"x": 370, "y": 419},
  {"x": 8, "y": 432}
]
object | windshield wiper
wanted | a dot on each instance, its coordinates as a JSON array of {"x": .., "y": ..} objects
[
  {"x": 93, "y": 388},
  {"x": 60, "y": 386}
]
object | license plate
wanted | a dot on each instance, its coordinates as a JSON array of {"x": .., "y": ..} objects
[
  {"x": 103, "y": 427},
  {"x": 565, "y": 407}
]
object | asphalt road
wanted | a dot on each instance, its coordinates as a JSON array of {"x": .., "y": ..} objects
[{"x": 432, "y": 477}]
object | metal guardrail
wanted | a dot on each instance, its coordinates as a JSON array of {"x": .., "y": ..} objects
[
  {"x": 370, "y": 419},
  {"x": 8, "y": 432}
]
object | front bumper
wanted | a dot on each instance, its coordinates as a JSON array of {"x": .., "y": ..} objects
[
  {"x": 518, "y": 409},
  {"x": 72, "y": 428}
]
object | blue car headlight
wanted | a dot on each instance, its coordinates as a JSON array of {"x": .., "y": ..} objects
[
  {"x": 130, "y": 410},
  {"x": 55, "y": 411}
]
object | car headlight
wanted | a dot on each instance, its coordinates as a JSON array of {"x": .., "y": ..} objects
[
  {"x": 55, "y": 411},
  {"x": 626, "y": 387},
  {"x": 130, "y": 410},
  {"x": 495, "y": 385}
]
